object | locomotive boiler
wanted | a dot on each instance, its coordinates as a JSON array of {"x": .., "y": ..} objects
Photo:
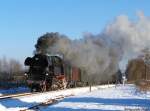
[{"x": 45, "y": 72}]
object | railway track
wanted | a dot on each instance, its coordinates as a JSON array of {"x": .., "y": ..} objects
[
  {"x": 9, "y": 96},
  {"x": 29, "y": 93},
  {"x": 14, "y": 95}
]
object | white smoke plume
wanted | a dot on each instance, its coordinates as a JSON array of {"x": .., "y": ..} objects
[
  {"x": 100, "y": 54},
  {"x": 131, "y": 36},
  {"x": 93, "y": 53}
]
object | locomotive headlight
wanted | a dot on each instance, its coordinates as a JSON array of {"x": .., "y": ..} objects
[{"x": 46, "y": 74}]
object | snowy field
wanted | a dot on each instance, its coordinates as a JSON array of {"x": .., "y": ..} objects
[
  {"x": 120, "y": 98},
  {"x": 102, "y": 98},
  {"x": 19, "y": 103}
]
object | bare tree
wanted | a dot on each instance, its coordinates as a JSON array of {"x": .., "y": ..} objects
[
  {"x": 9, "y": 68},
  {"x": 139, "y": 68}
]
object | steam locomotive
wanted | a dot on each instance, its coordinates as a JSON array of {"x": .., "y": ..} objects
[{"x": 45, "y": 72}]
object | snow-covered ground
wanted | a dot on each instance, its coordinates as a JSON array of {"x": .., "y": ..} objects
[
  {"x": 14, "y": 90},
  {"x": 18, "y": 103},
  {"x": 100, "y": 99},
  {"x": 120, "y": 98}
]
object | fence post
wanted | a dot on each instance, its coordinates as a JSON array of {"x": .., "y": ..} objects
[{"x": 90, "y": 88}]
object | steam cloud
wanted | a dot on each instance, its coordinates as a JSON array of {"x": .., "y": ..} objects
[
  {"x": 131, "y": 36},
  {"x": 100, "y": 54}
]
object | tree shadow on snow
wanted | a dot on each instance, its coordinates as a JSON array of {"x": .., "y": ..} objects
[
  {"x": 14, "y": 102},
  {"x": 108, "y": 101},
  {"x": 70, "y": 109},
  {"x": 14, "y": 90}
]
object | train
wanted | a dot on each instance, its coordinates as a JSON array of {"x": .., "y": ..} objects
[{"x": 50, "y": 72}]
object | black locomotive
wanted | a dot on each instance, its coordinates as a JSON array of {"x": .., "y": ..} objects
[{"x": 45, "y": 72}]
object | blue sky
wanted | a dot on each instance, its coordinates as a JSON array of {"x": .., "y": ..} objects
[{"x": 23, "y": 21}]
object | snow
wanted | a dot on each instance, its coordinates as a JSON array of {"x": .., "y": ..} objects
[
  {"x": 118, "y": 98},
  {"x": 102, "y": 98},
  {"x": 14, "y": 90},
  {"x": 16, "y": 104}
]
